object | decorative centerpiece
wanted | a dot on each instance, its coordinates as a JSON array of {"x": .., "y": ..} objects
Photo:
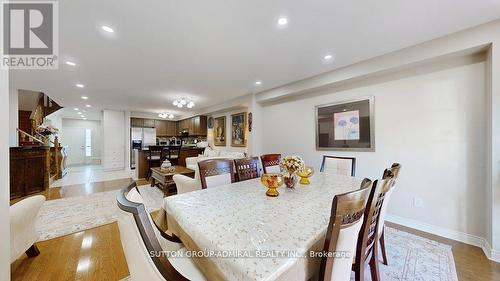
[
  {"x": 46, "y": 131},
  {"x": 305, "y": 174},
  {"x": 291, "y": 165},
  {"x": 167, "y": 166},
  {"x": 272, "y": 182}
]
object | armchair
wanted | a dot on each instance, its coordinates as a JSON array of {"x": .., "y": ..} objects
[{"x": 23, "y": 235}]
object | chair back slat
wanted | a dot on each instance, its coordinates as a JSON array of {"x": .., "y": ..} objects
[
  {"x": 212, "y": 169},
  {"x": 270, "y": 162},
  {"x": 345, "y": 223},
  {"x": 368, "y": 235},
  {"x": 247, "y": 168}
]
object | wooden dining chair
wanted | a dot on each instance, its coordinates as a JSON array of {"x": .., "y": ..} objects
[
  {"x": 215, "y": 172},
  {"x": 367, "y": 248},
  {"x": 390, "y": 173},
  {"x": 270, "y": 163},
  {"x": 247, "y": 168},
  {"x": 154, "y": 158},
  {"x": 173, "y": 154},
  {"x": 141, "y": 237},
  {"x": 345, "y": 224},
  {"x": 339, "y": 165}
]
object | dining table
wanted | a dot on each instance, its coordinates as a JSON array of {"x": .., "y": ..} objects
[{"x": 236, "y": 232}]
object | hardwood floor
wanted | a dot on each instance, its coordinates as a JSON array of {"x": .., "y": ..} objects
[
  {"x": 97, "y": 254},
  {"x": 93, "y": 254}
]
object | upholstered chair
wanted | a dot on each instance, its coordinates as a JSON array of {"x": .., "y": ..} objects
[
  {"x": 187, "y": 184},
  {"x": 345, "y": 224},
  {"x": 23, "y": 236},
  {"x": 390, "y": 173},
  {"x": 216, "y": 172},
  {"x": 339, "y": 165},
  {"x": 367, "y": 248},
  {"x": 140, "y": 237},
  {"x": 270, "y": 163},
  {"x": 247, "y": 168}
]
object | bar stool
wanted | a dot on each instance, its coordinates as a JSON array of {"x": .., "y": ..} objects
[{"x": 154, "y": 158}]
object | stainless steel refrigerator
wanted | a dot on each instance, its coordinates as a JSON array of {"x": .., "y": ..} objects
[{"x": 145, "y": 136}]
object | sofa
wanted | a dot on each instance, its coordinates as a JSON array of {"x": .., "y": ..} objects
[{"x": 186, "y": 184}]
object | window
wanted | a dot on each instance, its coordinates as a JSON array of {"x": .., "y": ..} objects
[{"x": 88, "y": 142}]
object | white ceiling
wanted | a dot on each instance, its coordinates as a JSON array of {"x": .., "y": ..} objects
[{"x": 211, "y": 51}]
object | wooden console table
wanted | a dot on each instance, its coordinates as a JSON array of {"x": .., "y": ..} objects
[{"x": 164, "y": 179}]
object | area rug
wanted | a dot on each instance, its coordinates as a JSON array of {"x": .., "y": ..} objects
[
  {"x": 73, "y": 214},
  {"x": 414, "y": 258}
]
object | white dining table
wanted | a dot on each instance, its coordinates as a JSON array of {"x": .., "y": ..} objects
[{"x": 245, "y": 235}]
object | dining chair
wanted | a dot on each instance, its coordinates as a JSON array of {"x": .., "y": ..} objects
[
  {"x": 153, "y": 158},
  {"x": 215, "y": 172},
  {"x": 342, "y": 234},
  {"x": 367, "y": 248},
  {"x": 173, "y": 154},
  {"x": 247, "y": 168},
  {"x": 339, "y": 165},
  {"x": 390, "y": 173},
  {"x": 141, "y": 237},
  {"x": 270, "y": 163}
]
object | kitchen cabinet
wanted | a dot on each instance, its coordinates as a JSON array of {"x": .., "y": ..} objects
[
  {"x": 161, "y": 127},
  {"x": 149, "y": 123},
  {"x": 197, "y": 125},
  {"x": 172, "y": 128},
  {"x": 136, "y": 122},
  {"x": 113, "y": 140}
]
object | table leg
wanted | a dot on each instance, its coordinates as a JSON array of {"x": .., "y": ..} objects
[{"x": 153, "y": 183}]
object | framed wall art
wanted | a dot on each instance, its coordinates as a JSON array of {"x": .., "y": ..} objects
[
  {"x": 238, "y": 128},
  {"x": 347, "y": 125},
  {"x": 220, "y": 131}
]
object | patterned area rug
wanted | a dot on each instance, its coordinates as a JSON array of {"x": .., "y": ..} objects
[
  {"x": 414, "y": 258},
  {"x": 73, "y": 214},
  {"x": 411, "y": 257}
]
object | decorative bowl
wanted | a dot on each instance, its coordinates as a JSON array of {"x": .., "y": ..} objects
[
  {"x": 272, "y": 181},
  {"x": 305, "y": 174}
]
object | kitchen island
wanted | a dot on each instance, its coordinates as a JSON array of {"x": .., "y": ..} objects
[{"x": 141, "y": 166}]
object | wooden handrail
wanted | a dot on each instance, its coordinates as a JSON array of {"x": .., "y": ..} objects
[{"x": 28, "y": 135}]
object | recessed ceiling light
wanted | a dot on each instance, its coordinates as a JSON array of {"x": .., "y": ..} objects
[
  {"x": 282, "y": 21},
  {"x": 79, "y": 112},
  {"x": 70, "y": 63},
  {"x": 107, "y": 29},
  {"x": 328, "y": 57},
  {"x": 88, "y": 105},
  {"x": 258, "y": 83},
  {"x": 76, "y": 108},
  {"x": 80, "y": 85},
  {"x": 85, "y": 98},
  {"x": 84, "y": 118}
]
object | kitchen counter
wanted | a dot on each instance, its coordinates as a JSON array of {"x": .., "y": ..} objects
[{"x": 141, "y": 161}]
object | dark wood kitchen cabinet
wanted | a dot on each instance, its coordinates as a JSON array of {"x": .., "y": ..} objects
[
  {"x": 149, "y": 123},
  {"x": 161, "y": 127},
  {"x": 136, "y": 122}
]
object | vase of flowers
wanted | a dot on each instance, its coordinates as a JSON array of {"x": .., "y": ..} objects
[
  {"x": 291, "y": 165},
  {"x": 46, "y": 131}
]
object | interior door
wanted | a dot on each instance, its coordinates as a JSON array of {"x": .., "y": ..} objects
[{"x": 74, "y": 138}]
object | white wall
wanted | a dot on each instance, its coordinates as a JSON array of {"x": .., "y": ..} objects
[
  {"x": 13, "y": 116},
  {"x": 432, "y": 123},
  {"x": 228, "y": 147},
  {"x": 94, "y": 126},
  {"x": 114, "y": 139},
  {"x": 4, "y": 176}
]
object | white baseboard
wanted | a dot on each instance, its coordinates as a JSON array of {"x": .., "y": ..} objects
[{"x": 466, "y": 238}]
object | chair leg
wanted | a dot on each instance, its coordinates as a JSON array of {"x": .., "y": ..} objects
[
  {"x": 382, "y": 247},
  {"x": 374, "y": 270},
  {"x": 33, "y": 251}
]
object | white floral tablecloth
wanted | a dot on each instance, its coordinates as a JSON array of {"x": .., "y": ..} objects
[{"x": 249, "y": 236}]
